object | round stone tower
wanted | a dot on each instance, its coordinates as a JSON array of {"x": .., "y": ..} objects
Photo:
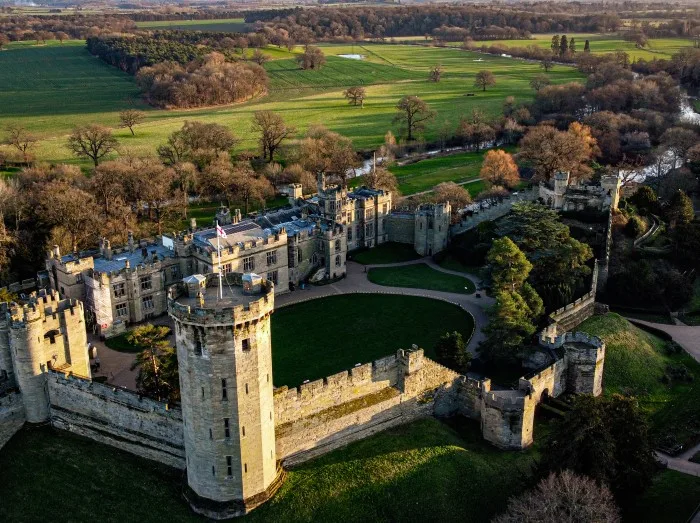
[
  {"x": 26, "y": 337},
  {"x": 225, "y": 364}
]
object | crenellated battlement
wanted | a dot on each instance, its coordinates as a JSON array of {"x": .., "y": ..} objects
[{"x": 45, "y": 305}]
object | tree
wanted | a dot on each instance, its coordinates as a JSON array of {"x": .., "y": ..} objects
[
  {"x": 71, "y": 212},
  {"x": 484, "y": 79},
  {"x": 92, "y": 141},
  {"x": 131, "y": 117},
  {"x": 327, "y": 153},
  {"x": 555, "y": 44},
  {"x": 547, "y": 63},
  {"x": 157, "y": 362},
  {"x": 679, "y": 210},
  {"x": 259, "y": 57},
  {"x": 560, "y": 497},
  {"x": 563, "y": 46},
  {"x": 587, "y": 47},
  {"x": 312, "y": 58},
  {"x": 22, "y": 140},
  {"x": 679, "y": 141},
  {"x": 539, "y": 81},
  {"x": 550, "y": 151},
  {"x": 247, "y": 186},
  {"x": 436, "y": 73},
  {"x": 572, "y": 45},
  {"x": 645, "y": 199},
  {"x": 295, "y": 173},
  {"x": 499, "y": 168},
  {"x": 412, "y": 114},
  {"x": 508, "y": 265},
  {"x": 4, "y": 40},
  {"x": 605, "y": 438},
  {"x": 451, "y": 351},
  {"x": 457, "y": 195},
  {"x": 61, "y": 36},
  {"x": 474, "y": 131},
  {"x": 197, "y": 142},
  {"x": 382, "y": 178},
  {"x": 273, "y": 131},
  {"x": 355, "y": 96}
]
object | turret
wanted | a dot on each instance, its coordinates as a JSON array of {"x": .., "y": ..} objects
[{"x": 225, "y": 364}]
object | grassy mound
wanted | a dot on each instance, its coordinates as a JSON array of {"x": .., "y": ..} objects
[
  {"x": 638, "y": 363},
  {"x": 317, "y": 338},
  {"x": 415, "y": 472},
  {"x": 421, "y": 276}
]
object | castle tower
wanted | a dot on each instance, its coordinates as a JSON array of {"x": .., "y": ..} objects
[
  {"x": 225, "y": 363},
  {"x": 611, "y": 183},
  {"x": 561, "y": 183}
]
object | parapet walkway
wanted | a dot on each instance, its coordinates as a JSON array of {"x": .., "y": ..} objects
[{"x": 356, "y": 282}]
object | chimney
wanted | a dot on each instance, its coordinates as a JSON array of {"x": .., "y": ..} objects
[
  {"x": 127, "y": 265},
  {"x": 107, "y": 250},
  {"x": 131, "y": 241},
  {"x": 56, "y": 252}
]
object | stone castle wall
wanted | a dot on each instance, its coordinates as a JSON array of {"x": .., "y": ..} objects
[
  {"x": 401, "y": 227},
  {"x": 325, "y": 414},
  {"x": 12, "y": 416},
  {"x": 493, "y": 212},
  {"x": 117, "y": 417}
]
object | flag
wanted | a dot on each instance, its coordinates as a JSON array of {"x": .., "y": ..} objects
[{"x": 220, "y": 231}]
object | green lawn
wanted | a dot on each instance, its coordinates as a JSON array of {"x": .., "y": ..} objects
[
  {"x": 453, "y": 264},
  {"x": 635, "y": 363},
  {"x": 121, "y": 344},
  {"x": 389, "y": 252},
  {"x": 51, "y": 88},
  {"x": 604, "y": 43},
  {"x": 359, "y": 328},
  {"x": 672, "y": 498},
  {"x": 420, "y": 276},
  {"x": 226, "y": 25},
  {"x": 415, "y": 472}
]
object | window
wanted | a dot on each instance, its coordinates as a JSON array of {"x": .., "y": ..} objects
[
  {"x": 227, "y": 428},
  {"x": 349, "y": 234},
  {"x": 226, "y": 268},
  {"x": 202, "y": 392},
  {"x": 79, "y": 278},
  {"x": 369, "y": 230},
  {"x": 337, "y": 261},
  {"x": 272, "y": 276},
  {"x": 338, "y": 245},
  {"x": 370, "y": 214},
  {"x": 358, "y": 215},
  {"x": 245, "y": 344},
  {"x": 224, "y": 391},
  {"x": 248, "y": 264},
  {"x": 174, "y": 271},
  {"x": 211, "y": 434},
  {"x": 314, "y": 259},
  {"x": 146, "y": 283},
  {"x": 213, "y": 471},
  {"x": 245, "y": 467},
  {"x": 246, "y": 388},
  {"x": 300, "y": 255},
  {"x": 119, "y": 290},
  {"x": 271, "y": 258},
  {"x": 147, "y": 302},
  {"x": 243, "y": 431},
  {"x": 384, "y": 209},
  {"x": 229, "y": 466},
  {"x": 122, "y": 310}
]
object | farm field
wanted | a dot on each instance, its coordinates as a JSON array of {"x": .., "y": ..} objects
[
  {"x": 603, "y": 43},
  {"x": 40, "y": 92},
  {"x": 226, "y": 25},
  {"x": 355, "y": 328}
]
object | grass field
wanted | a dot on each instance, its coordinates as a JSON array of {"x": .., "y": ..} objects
[
  {"x": 420, "y": 276},
  {"x": 358, "y": 328},
  {"x": 390, "y": 252},
  {"x": 635, "y": 363},
  {"x": 604, "y": 43},
  {"x": 51, "y": 88},
  {"x": 226, "y": 25}
]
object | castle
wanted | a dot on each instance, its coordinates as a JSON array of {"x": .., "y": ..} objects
[
  {"x": 234, "y": 432},
  {"x": 565, "y": 194},
  {"x": 309, "y": 240}
]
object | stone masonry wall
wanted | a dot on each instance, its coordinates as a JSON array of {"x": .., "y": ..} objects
[
  {"x": 117, "y": 417},
  {"x": 325, "y": 414},
  {"x": 493, "y": 212},
  {"x": 11, "y": 416},
  {"x": 401, "y": 228}
]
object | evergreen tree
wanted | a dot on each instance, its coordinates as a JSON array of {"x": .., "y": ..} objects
[
  {"x": 587, "y": 47},
  {"x": 679, "y": 210},
  {"x": 572, "y": 45},
  {"x": 508, "y": 264},
  {"x": 157, "y": 362},
  {"x": 563, "y": 45},
  {"x": 451, "y": 351},
  {"x": 555, "y": 44}
]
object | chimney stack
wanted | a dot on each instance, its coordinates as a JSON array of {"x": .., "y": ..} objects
[
  {"x": 107, "y": 250},
  {"x": 56, "y": 252},
  {"x": 131, "y": 241}
]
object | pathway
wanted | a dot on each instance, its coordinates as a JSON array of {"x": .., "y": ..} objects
[
  {"x": 686, "y": 336},
  {"x": 680, "y": 463}
]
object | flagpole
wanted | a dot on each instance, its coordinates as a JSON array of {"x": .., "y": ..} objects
[{"x": 218, "y": 254}]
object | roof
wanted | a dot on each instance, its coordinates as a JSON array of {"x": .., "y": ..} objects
[
  {"x": 118, "y": 261},
  {"x": 363, "y": 193},
  {"x": 235, "y": 233}
]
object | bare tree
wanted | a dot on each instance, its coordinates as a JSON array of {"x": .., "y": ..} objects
[
  {"x": 71, "y": 210},
  {"x": 457, "y": 195},
  {"x": 484, "y": 79},
  {"x": 539, "y": 81},
  {"x": 4, "y": 40},
  {"x": 547, "y": 64},
  {"x": 498, "y": 168},
  {"x": 562, "y": 497},
  {"x": 355, "y": 96},
  {"x": 413, "y": 113},
  {"x": 259, "y": 57},
  {"x": 22, "y": 140},
  {"x": 312, "y": 58},
  {"x": 436, "y": 73},
  {"x": 325, "y": 152},
  {"x": 382, "y": 178},
  {"x": 247, "y": 186},
  {"x": 131, "y": 117},
  {"x": 92, "y": 141},
  {"x": 61, "y": 36},
  {"x": 273, "y": 131}
]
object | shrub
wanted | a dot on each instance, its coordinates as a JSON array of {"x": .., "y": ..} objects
[{"x": 635, "y": 227}]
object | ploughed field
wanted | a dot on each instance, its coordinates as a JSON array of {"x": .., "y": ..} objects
[
  {"x": 317, "y": 338},
  {"x": 51, "y": 88}
]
